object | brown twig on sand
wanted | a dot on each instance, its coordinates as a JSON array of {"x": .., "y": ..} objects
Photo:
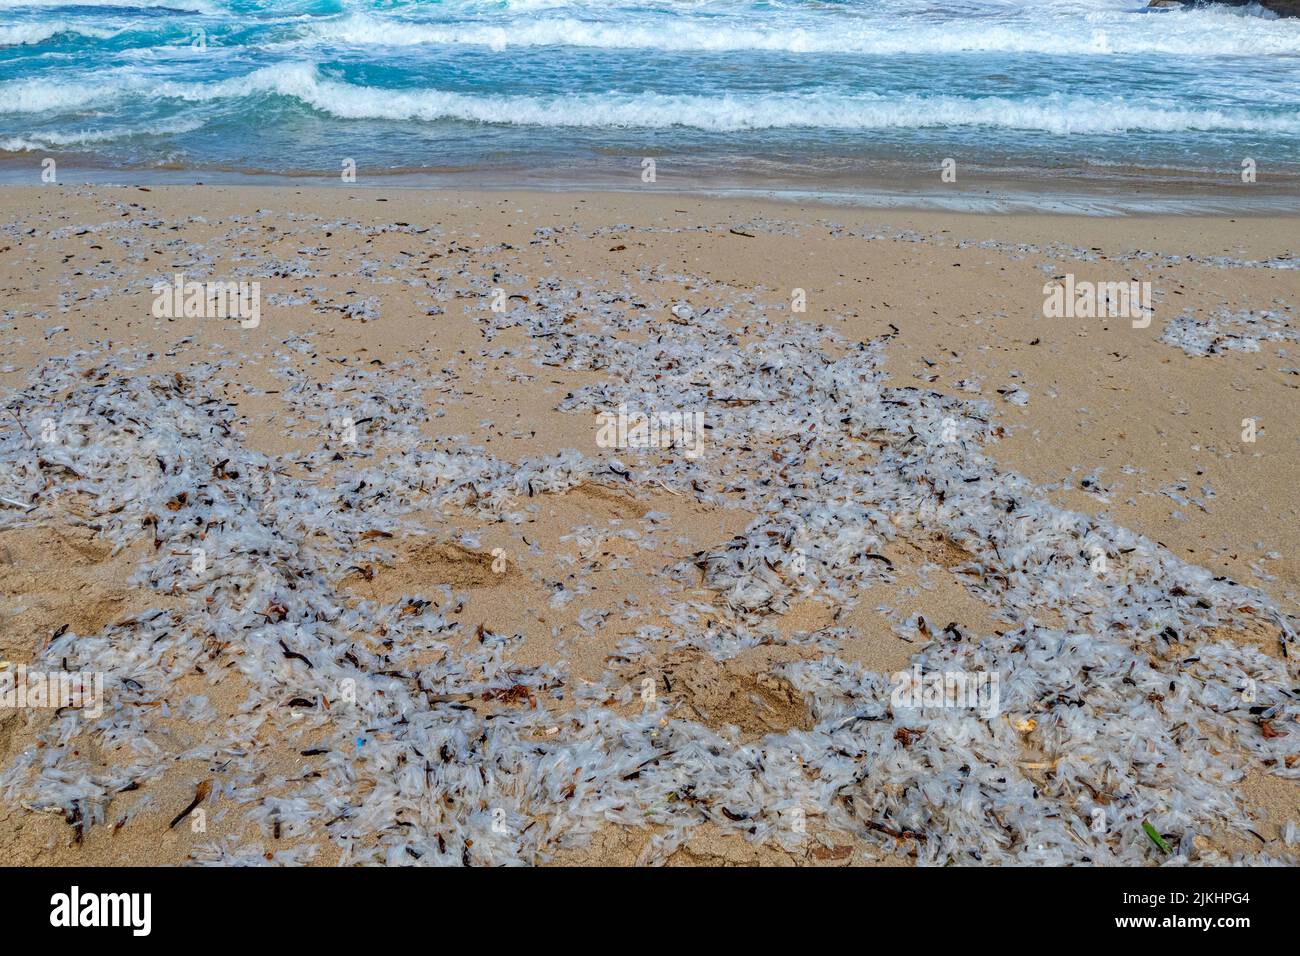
[{"x": 200, "y": 794}]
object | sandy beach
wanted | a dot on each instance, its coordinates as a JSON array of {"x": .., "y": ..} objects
[{"x": 365, "y": 582}]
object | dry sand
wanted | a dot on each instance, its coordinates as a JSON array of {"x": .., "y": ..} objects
[{"x": 1117, "y": 424}]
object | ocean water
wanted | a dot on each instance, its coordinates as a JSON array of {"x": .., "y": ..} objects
[{"x": 802, "y": 93}]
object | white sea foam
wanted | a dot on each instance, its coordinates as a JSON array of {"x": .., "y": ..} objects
[
  {"x": 47, "y": 140},
  {"x": 1202, "y": 33},
  {"x": 187, "y": 6},
  {"x": 1053, "y": 113},
  {"x": 29, "y": 34},
  {"x": 40, "y": 96}
]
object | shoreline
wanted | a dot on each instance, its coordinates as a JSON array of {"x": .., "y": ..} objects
[{"x": 1123, "y": 199}]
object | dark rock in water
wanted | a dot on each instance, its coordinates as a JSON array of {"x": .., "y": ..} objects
[{"x": 1283, "y": 8}]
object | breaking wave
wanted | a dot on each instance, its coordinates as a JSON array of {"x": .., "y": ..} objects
[
  {"x": 819, "y": 109},
  {"x": 1201, "y": 34}
]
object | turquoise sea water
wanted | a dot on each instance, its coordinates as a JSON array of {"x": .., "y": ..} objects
[{"x": 719, "y": 91}]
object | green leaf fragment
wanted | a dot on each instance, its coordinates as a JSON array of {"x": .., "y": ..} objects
[{"x": 1156, "y": 838}]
